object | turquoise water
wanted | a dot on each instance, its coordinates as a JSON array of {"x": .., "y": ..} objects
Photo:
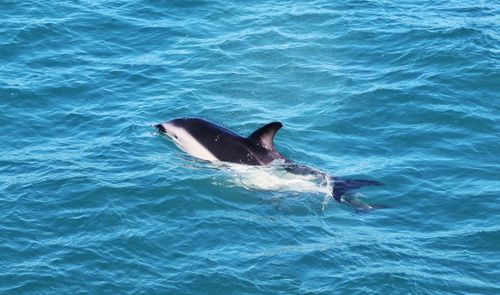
[{"x": 94, "y": 201}]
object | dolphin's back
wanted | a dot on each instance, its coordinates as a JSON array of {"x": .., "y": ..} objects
[{"x": 224, "y": 144}]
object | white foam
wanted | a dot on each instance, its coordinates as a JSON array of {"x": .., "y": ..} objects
[{"x": 275, "y": 178}]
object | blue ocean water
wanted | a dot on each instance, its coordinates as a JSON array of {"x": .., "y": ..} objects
[{"x": 94, "y": 201}]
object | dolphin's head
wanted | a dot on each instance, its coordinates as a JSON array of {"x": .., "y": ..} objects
[
  {"x": 185, "y": 133},
  {"x": 173, "y": 129},
  {"x": 179, "y": 131}
]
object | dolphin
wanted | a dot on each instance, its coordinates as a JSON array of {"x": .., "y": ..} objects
[{"x": 208, "y": 141}]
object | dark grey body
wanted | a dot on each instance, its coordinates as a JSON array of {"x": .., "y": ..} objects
[
  {"x": 256, "y": 149},
  {"x": 228, "y": 146}
]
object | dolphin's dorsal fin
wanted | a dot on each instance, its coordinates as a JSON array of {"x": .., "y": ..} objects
[{"x": 265, "y": 135}]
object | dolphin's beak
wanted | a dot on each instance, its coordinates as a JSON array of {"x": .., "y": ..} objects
[{"x": 161, "y": 128}]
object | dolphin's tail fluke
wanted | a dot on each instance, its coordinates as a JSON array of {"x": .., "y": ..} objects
[{"x": 342, "y": 186}]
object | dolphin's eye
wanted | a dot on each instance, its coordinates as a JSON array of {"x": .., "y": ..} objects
[{"x": 175, "y": 136}]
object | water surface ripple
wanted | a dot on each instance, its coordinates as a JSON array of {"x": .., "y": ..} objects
[{"x": 94, "y": 201}]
